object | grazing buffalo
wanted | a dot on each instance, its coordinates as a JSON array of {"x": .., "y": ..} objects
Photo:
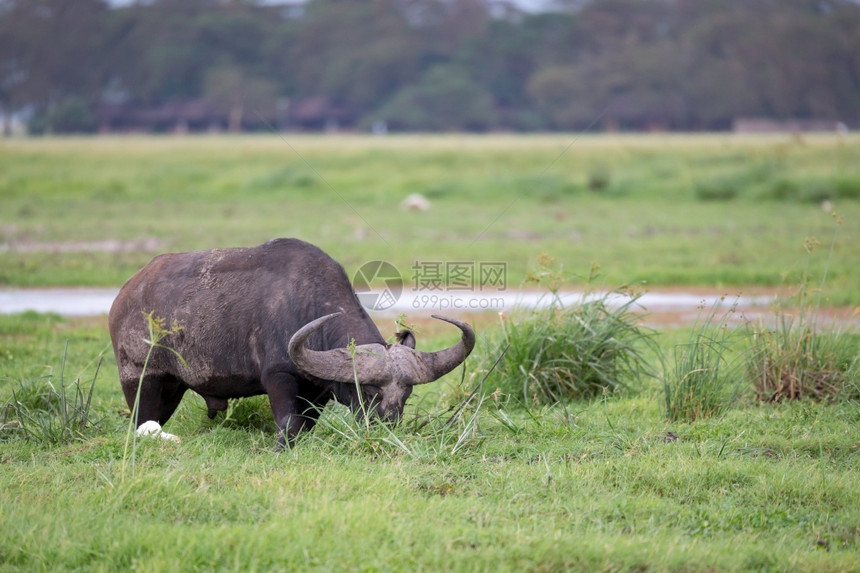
[{"x": 277, "y": 319}]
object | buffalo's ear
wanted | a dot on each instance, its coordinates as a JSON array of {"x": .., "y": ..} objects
[{"x": 406, "y": 338}]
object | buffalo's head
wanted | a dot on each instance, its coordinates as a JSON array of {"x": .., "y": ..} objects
[{"x": 384, "y": 373}]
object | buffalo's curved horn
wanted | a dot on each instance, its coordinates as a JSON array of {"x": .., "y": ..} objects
[
  {"x": 440, "y": 363},
  {"x": 337, "y": 364},
  {"x": 375, "y": 363}
]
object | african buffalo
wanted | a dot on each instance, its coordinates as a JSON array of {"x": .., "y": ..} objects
[{"x": 276, "y": 319}]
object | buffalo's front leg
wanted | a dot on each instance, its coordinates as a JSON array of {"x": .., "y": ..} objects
[{"x": 292, "y": 413}]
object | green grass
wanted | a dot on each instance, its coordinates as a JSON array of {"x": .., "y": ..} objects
[
  {"x": 798, "y": 359},
  {"x": 703, "y": 375},
  {"x": 51, "y": 409},
  {"x": 627, "y": 203},
  {"x": 600, "y": 485},
  {"x": 469, "y": 481},
  {"x": 562, "y": 353}
]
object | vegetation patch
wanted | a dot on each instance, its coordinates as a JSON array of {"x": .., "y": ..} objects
[
  {"x": 91, "y": 212},
  {"x": 686, "y": 471},
  {"x": 798, "y": 357},
  {"x": 795, "y": 360},
  {"x": 562, "y": 353},
  {"x": 48, "y": 410},
  {"x": 703, "y": 379},
  {"x": 615, "y": 482}
]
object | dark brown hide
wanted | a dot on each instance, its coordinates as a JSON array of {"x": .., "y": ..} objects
[{"x": 235, "y": 311}]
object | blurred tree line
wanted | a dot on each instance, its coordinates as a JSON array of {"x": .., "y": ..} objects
[{"x": 83, "y": 65}]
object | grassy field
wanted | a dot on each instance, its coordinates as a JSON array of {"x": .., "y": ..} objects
[
  {"x": 713, "y": 210},
  {"x": 480, "y": 483},
  {"x": 600, "y": 485}
]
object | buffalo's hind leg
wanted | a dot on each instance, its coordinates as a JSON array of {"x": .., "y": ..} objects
[{"x": 157, "y": 399}]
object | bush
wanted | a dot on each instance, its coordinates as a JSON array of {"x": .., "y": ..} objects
[
  {"x": 704, "y": 381},
  {"x": 558, "y": 354},
  {"x": 794, "y": 361}
]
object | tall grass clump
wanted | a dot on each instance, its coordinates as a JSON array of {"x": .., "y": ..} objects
[
  {"x": 48, "y": 410},
  {"x": 795, "y": 360},
  {"x": 799, "y": 358},
  {"x": 561, "y": 353},
  {"x": 705, "y": 380}
]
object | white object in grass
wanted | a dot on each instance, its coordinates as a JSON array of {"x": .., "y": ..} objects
[
  {"x": 415, "y": 202},
  {"x": 153, "y": 428}
]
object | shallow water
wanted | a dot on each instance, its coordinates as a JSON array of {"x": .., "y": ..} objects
[
  {"x": 64, "y": 301},
  {"x": 96, "y": 301}
]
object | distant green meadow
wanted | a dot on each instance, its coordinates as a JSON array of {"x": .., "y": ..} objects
[
  {"x": 721, "y": 211},
  {"x": 472, "y": 479}
]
